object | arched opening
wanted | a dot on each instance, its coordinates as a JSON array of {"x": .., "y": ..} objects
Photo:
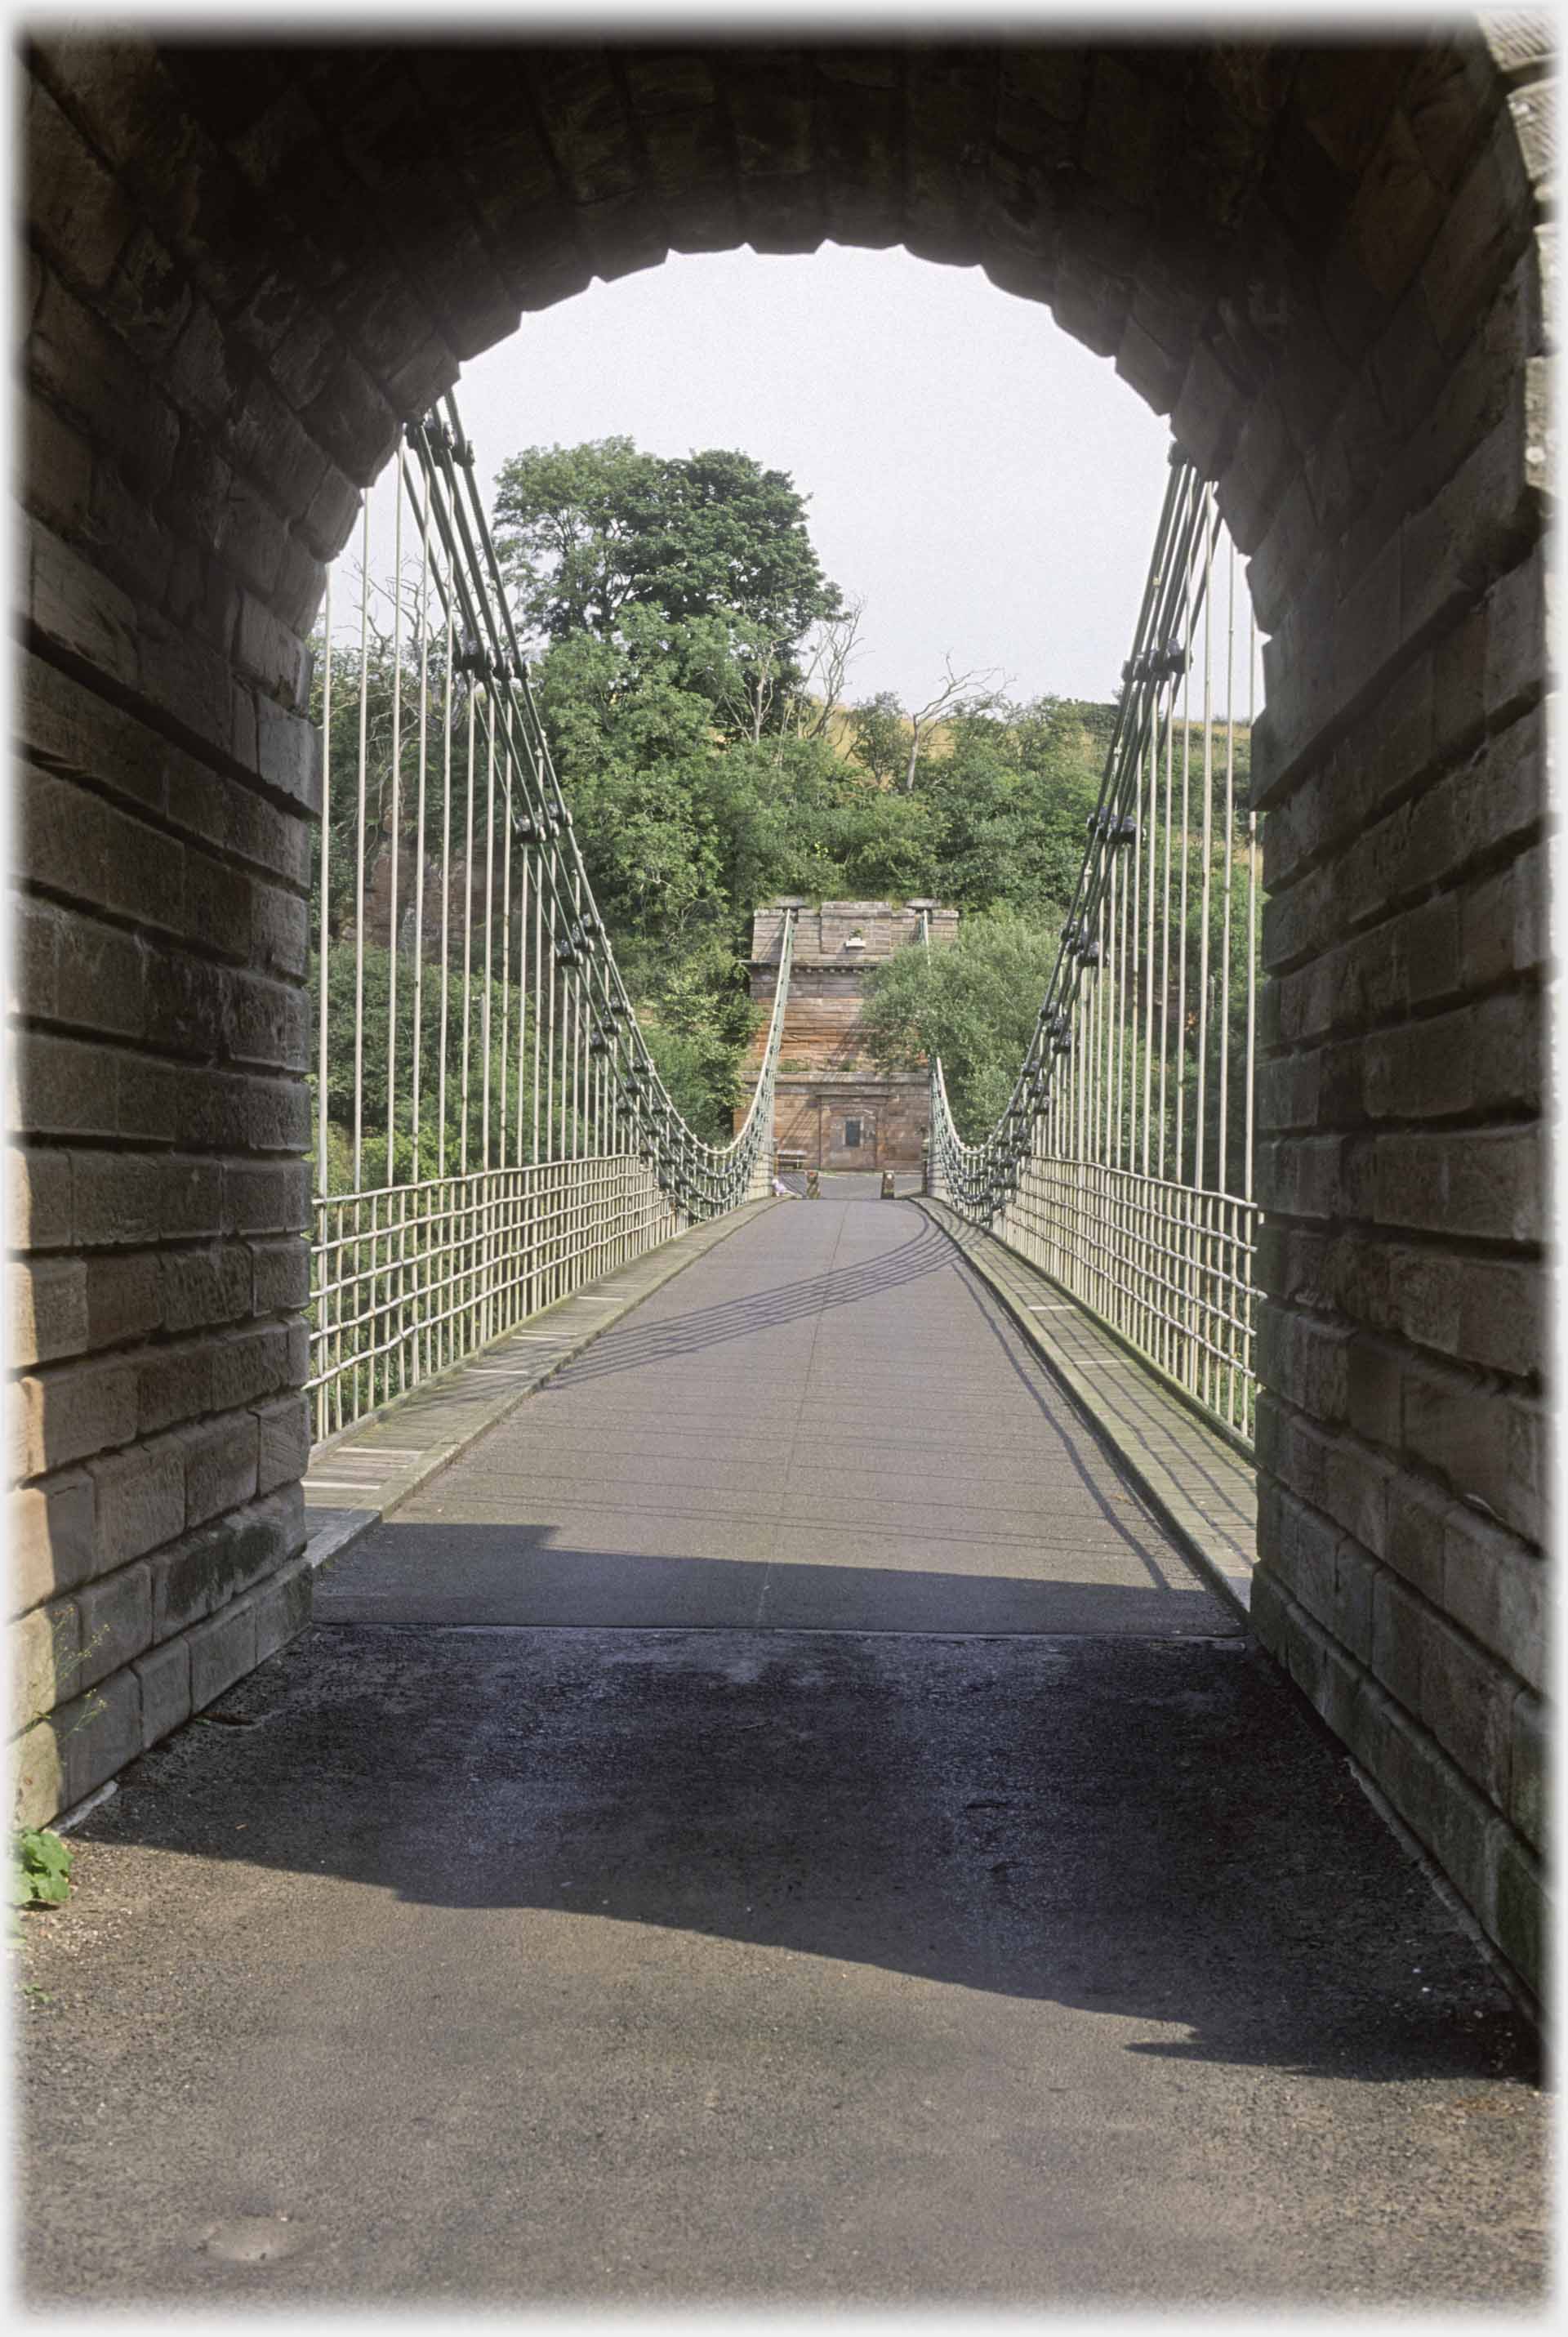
[{"x": 1320, "y": 263}]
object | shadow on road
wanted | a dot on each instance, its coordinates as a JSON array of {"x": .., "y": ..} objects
[
  {"x": 462, "y": 1572},
  {"x": 1148, "y": 1830},
  {"x": 638, "y": 1342}
]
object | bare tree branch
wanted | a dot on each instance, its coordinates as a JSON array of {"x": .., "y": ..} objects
[
  {"x": 833, "y": 651},
  {"x": 974, "y": 692}
]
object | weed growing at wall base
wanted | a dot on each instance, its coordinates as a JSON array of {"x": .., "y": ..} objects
[{"x": 40, "y": 1868}]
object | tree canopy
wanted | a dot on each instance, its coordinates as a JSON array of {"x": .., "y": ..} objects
[
  {"x": 971, "y": 1002},
  {"x": 585, "y": 534}
]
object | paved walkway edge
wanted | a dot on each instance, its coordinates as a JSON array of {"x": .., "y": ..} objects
[
  {"x": 625, "y": 1288},
  {"x": 1204, "y": 1530}
]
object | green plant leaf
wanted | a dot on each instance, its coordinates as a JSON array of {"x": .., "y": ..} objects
[{"x": 40, "y": 1868}]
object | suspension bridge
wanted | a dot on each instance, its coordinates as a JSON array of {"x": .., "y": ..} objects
[
  {"x": 525, "y": 1149},
  {"x": 782, "y": 1668},
  {"x": 526, "y": 1143}
]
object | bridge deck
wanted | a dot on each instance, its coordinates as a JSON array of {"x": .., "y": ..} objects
[
  {"x": 828, "y": 1423},
  {"x": 993, "y": 1925}
]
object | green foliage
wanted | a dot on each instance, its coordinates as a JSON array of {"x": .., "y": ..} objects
[
  {"x": 586, "y": 533},
  {"x": 797, "y": 818},
  {"x": 697, "y": 1018},
  {"x": 340, "y": 1061},
  {"x": 880, "y": 736},
  {"x": 673, "y": 602},
  {"x": 444, "y": 721},
  {"x": 972, "y": 1003},
  {"x": 633, "y": 744},
  {"x": 40, "y": 1868},
  {"x": 443, "y": 1141},
  {"x": 1011, "y": 797}
]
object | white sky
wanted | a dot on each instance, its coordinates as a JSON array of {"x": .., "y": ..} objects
[{"x": 988, "y": 486}]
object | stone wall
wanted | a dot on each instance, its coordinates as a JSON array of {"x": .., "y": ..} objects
[
  {"x": 814, "y": 1119},
  {"x": 157, "y": 1434},
  {"x": 828, "y": 1086},
  {"x": 1402, "y": 1440},
  {"x": 837, "y": 932},
  {"x": 1402, "y": 1436},
  {"x": 1328, "y": 264}
]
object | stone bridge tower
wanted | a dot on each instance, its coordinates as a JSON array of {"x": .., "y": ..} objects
[{"x": 833, "y": 1108}]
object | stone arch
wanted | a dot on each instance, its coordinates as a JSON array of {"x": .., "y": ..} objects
[{"x": 245, "y": 268}]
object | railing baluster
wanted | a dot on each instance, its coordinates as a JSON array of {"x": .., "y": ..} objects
[
  {"x": 324, "y": 926},
  {"x": 416, "y": 1046},
  {"x": 359, "y": 856},
  {"x": 394, "y": 824},
  {"x": 447, "y": 693}
]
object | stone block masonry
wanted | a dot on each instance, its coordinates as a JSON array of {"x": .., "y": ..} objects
[
  {"x": 833, "y": 1107},
  {"x": 156, "y": 1215},
  {"x": 243, "y": 267}
]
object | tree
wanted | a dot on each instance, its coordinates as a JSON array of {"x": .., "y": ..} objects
[
  {"x": 975, "y": 692},
  {"x": 692, "y": 654},
  {"x": 972, "y": 1002},
  {"x": 1012, "y": 797},
  {"x": 568, "y": 523},
  {"x": 782, "y": 695},
  {"x": 631, "y": 742},
  {"x": 698, "y": 1019},
  {"x": 888, "y": 738},
  {"x": 583, "y": 533},
  {"x": 833, "y": 650},
  {"x": 878, "y": 734}
]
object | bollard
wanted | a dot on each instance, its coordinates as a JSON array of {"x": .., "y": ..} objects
[
  {"x": 887, "y": 1184},
  {"x": 814, "y": 1185}
]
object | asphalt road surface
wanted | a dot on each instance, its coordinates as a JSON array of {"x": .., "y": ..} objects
[{"x": 775, "y": 1823}]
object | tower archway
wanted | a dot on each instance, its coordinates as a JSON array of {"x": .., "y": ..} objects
[{"x": 246, "y": 268}]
